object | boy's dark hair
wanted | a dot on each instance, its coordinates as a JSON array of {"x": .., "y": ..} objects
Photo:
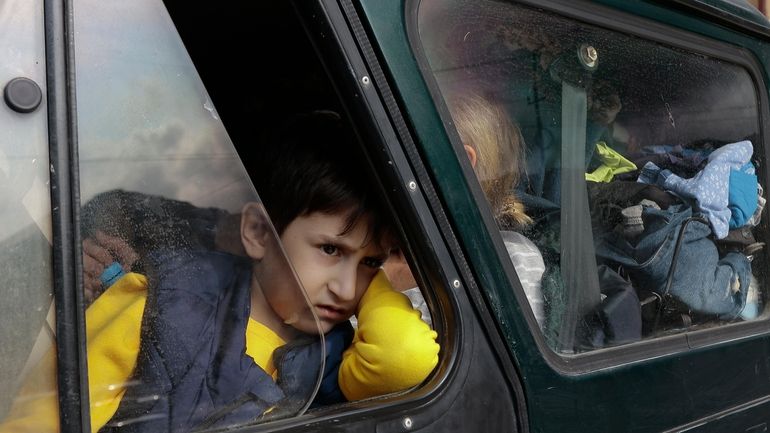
[{"x": 313, "y": 163}]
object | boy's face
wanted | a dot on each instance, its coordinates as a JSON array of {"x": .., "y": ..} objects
[{"x": 334, "y": 269}]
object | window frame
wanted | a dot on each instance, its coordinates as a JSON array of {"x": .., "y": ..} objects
[
  {"x": 656, "y": 32},
  {"x": 342, "y": 43},
  {"x": 72, "y": 377}
]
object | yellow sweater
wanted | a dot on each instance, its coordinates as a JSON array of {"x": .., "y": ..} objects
[{"x": 392, "y": 350}]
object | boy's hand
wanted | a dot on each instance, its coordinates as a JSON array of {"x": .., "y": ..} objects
[
  {"x": 398, "y": 272},
  {"x": 99, "y": 253},
  {"x": 392, "y": 350}
]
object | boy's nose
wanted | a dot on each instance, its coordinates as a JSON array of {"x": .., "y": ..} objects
[{"x": 344, "y": 285}]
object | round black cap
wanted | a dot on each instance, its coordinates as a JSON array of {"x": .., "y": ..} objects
[{"x": 23, "y": 95}]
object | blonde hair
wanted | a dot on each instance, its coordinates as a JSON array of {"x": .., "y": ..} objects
[{"x": 485, "y": 126}]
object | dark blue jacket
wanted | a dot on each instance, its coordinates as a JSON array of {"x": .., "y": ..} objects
[{"x": 192, "y": 370}]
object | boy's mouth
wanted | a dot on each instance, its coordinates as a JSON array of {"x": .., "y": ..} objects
[{"x": 331, "y": 313}]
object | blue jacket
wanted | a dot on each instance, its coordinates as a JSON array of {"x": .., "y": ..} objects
[
  {"x": 701, "y": 279},
  {"x": 192, "y": 370}
]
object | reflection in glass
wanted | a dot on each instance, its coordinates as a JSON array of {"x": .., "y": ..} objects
[
  {"x": 26, "y": 314},
  {"x": 187, "y": 301},
  {"x": 166, "y": 273},
  {"x": 637, "y": 169}
]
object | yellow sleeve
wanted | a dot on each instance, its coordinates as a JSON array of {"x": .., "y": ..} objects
[
  {"x": 113, "y": 324},
  {"x": 35, "y": 408},
  {"x": 392, "y": 350}
]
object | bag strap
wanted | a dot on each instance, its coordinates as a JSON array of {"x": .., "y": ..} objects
[{"x": 670, "y": 277}]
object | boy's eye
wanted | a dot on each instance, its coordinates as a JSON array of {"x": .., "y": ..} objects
[
  {"x": 330, "y": 249},
  {"x": 372, "y": 262}
]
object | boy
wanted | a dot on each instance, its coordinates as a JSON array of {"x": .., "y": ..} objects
[{"x": 190, "y": 366}]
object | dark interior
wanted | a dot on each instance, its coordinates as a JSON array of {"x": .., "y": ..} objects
[{"x": 255, "y": 61}]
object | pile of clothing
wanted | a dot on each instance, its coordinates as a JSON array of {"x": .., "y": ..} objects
[{"x": 675, "y": 236}]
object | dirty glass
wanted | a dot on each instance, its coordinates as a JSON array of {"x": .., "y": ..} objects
[
  {"x": 623, "y": 173},
  {"x": 26, "y": 309},
  {"x": 175, "y": 333}
]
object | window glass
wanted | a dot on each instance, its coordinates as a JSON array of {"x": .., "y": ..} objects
[
  {"x": 196, "y": 319},
  {"x": 26, "y": 313},
  {"x": 182, "y": 319},
  {"x": 622, "y": 172}
]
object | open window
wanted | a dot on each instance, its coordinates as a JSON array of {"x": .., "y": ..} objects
[
  {"x": 625, "y": 174},
  {"x": 168, "y": 132}
]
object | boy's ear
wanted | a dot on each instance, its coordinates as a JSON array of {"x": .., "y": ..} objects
[
  {"x": 255, "y": 230},
  {"x": 471, "y": 154}
]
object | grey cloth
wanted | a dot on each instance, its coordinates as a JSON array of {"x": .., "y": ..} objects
[
  {"x": 418, "y": 303},
  {"x": 632, "y": 221},
  {"x": 529, "y": 265},
  {"x": 757, "y": 217},
  {"x": 633, "y": 225}
]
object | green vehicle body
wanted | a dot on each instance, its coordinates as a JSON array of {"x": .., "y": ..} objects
[
  {"x": 495, "y": 373},
  {"x": 676, "y": 391}
]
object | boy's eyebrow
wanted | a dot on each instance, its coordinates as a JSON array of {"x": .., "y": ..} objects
[{"x": 339, "y": 242}]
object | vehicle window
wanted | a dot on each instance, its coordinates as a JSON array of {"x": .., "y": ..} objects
[
  {"x": 166, "y": 197},
  {"x": 26, "y": 313},
  {"x": 195, "y": 315},
  {"x": 621, "y": 172}
]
